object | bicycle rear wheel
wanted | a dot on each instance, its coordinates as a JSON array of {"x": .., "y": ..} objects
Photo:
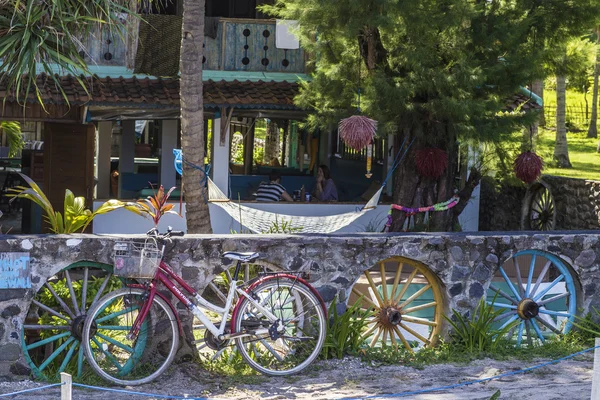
[
  {"x": 287, "y": 350},
  {"x": 125, "y": 361}
]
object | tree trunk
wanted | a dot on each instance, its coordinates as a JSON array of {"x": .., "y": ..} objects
[
  {"x": 192, "y": 117},
  {"x": 593, "y": 129},
  {"x": 561, "y": 149},
  {"x": 271, "y": 143},
  {"x": 538, "y": 88}
]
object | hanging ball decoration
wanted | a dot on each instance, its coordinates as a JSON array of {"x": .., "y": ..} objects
[
  {"x": 357, "y": 131},
  {"x": 528, "y": 167},
  {"x": 431, "y": 162}
]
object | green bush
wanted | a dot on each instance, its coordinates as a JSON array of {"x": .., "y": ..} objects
[
  {"x": 344, "y": 335},
  {"x": 478, "y": 333}
]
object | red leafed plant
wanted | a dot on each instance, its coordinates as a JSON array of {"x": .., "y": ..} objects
[
  {"x": 156, "y": 206},
  {"x": 431, "y": 162},
  {"x": 528, "y": 166},
  {"x": 357, "y": 131}
]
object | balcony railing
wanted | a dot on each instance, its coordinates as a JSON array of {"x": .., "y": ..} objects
[{"x": 239, "y": 45}]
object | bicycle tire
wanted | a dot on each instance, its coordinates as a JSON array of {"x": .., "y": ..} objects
[
  {"x": 130, "y": 362},
  {"x": 301, "y": 312}
]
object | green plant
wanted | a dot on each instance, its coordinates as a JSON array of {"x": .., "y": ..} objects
[
  {"x": 282, "y": 227},
  {"x": 345, "y": 332},
  {"x": 15, "y": 138},
  {"x": 478, "y": 333},
  {"x": 75, "y": 217},
  {"x": 155, "y": 206}
]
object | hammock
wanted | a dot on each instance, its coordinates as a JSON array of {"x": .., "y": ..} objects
[{"x": 260, "y": 221}]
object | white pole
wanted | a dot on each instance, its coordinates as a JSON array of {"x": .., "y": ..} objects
[
  {"x": 67, "y": 386},
  {"x": 596, "y": 374}
]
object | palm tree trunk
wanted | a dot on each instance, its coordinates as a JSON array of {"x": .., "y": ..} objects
[
  {"x": 271, "y": 143},
  {"x": 192, "y": 117},
  {"x": 561, "y": 149},
  {"x": 593, "y": 129}
]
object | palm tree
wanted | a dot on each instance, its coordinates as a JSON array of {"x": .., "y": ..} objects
[
  {"x": 192, "y": 116},
  {"x": 47, "y": 33},
  {"x": 561, "y": 149},
  {"x": 593, "y": 129}
]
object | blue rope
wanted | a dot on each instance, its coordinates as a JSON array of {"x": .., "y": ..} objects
[
  {"x": 31, "y": 390},
  {"x": 457, "y": 385},
  {"x": 161, "y": 396},
  {"x": 398, "y": 161}
]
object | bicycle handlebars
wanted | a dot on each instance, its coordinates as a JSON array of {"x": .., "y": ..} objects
[{"x": 167, "y": 235}]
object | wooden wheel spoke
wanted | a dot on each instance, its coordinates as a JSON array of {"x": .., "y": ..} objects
[
  {"x": 60, "y": 301},
  {"x": 547, "y": 325},
  {"x": 415, "y": 296},
  {"x": 385, "y": 336},
  {"x": 552, "y": 299},
  {"x": 520, "y": 333},
  {"x": 369, "y": 332},
  {"x": 537, "y": 330},
  {"x": 383, "y": 282},
  {"x": 101, "y": 289},
  {"x": 503, "y": 294},
  {"x": 519, "y": 278},
  {"x": 403, "y": 339},
  {"x": 540, "y": 278},
  {"x": 374, "y": 288},
  {"x": 84, "y": 289},
  {"x": 416, "y": 320},
  {"x": 375, "y": 338},
  {"x": 393, "y": 339},
  {"x": 547, "y": 289},
  {"x": 421, "y": 307},
  {"x": 530, "y": 276},
  {"x": 414, "y": 333},
  {"x": 72, "y": 292},
  {"x": 51, "y": 311},
  {"x": 529, "y": 339},
  {"x": 396, "y": 279},
  {"x": 406, "y": 285},
  {"x": 364, "y": 297}
]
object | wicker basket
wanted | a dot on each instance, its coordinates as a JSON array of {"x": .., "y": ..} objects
[{"x": 136, "y": 260}]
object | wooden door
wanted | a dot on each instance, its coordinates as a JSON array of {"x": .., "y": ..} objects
[{"x": 68, "y": 162}]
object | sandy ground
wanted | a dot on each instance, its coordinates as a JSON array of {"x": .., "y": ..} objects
[{"x": 352, "y": 379}]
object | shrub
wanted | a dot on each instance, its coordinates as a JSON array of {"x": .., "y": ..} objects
[{"x": 345, "y": 333}]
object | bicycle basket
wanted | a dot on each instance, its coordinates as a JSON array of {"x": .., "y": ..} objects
[{"x": 136, "y": 260}]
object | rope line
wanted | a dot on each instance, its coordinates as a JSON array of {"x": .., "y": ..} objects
[
  {"x": 161, "y": 396},
  {"x": 457, "y": 385},
  {"x": 31, "y": 390}
]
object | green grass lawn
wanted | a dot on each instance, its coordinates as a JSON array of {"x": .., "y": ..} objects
[{"x": 582, "y": 153}]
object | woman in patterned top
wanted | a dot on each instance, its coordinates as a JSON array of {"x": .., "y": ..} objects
[{"x": 272, "y": 191}]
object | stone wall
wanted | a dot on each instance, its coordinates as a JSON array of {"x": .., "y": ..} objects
[
  {"x": 577, "y": 203},
  {"x": 464, "y": 265}
]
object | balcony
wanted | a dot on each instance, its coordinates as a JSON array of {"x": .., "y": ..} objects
[{"x": 238, "y": 45}]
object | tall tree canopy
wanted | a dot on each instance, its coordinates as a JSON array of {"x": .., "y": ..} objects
[{"x": 438, "y": 71}]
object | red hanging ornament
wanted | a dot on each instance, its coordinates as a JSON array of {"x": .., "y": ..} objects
[
  {"x": 528, "y": 167},
  {"x": 431, "y": 162},
  {"x": 357, "y": 131}
]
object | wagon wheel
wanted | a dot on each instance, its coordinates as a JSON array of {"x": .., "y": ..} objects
[
  {"x": 539, "y": 209},
  {"x": 52, "y": 330},
  {"x": 208, "y": 346},
  {"x": 408, "y": 312},
  {"x": 536, "y": 293}
]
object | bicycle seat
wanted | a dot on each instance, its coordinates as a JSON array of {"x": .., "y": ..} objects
[{"x": 243, "y": 257}]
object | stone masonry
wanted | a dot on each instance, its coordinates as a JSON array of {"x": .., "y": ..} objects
[{"x": 463, "y": 263}]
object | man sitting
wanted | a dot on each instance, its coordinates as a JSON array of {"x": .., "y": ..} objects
[{"x": 272, "y": 191}]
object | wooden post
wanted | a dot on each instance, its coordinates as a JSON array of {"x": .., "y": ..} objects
[
  {"x": 66, "y": 390},
  {"x": 596, "y": 374}
]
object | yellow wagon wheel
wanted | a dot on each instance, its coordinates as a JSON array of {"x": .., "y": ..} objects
[{"x": 406, "y": 301}]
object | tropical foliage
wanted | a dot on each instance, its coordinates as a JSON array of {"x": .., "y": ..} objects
[
  {"x": 345, "y": 332},
  {"x": 12, "y": 130},
  {"x": 155, "y": 206},
  {"x": 48, "y": 34},
  {"x": 75, "y": 218}
]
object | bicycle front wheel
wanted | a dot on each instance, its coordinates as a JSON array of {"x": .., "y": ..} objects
[
  {"x": 123, "y": 360},
  {"x": 294, "y": 341}
]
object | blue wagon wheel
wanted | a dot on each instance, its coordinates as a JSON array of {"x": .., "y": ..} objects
[
  {"x": 536, "y": 292},
  {"x": 51, "y": 336}
]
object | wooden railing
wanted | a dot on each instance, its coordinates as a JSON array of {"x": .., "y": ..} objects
[{"x": 239, "y": 45}]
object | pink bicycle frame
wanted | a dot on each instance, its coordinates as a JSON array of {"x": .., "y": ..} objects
[{"x": 163, "y": 273}]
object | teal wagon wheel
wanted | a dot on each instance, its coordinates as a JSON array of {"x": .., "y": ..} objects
[
  {"x": 51, "y": 337},
  {"x": 536, "y": 293}
]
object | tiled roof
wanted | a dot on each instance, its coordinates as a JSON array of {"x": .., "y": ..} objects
[
  {"x": 161, "y": 92},
  {"x": 526, "y": 103}
]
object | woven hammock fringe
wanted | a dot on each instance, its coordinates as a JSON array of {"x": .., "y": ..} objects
[{"x": 259, "y": 221}]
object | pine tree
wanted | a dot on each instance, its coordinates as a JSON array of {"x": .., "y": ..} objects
[{"x": 433, "y": 71}]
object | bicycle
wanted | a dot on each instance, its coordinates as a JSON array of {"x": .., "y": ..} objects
[{"x": 131, "y": 335}]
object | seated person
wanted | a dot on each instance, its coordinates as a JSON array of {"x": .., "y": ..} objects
[
  {"x": 272, "y": 191},
  {"x": 325, "y": 189}
]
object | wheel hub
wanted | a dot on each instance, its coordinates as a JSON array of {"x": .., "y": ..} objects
[
  {"x": 77, "y": 327},
  {"x": 528, "y": 309},
  {"x": 213, "y": 342},
  {"x": 390, "y": 316}
]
